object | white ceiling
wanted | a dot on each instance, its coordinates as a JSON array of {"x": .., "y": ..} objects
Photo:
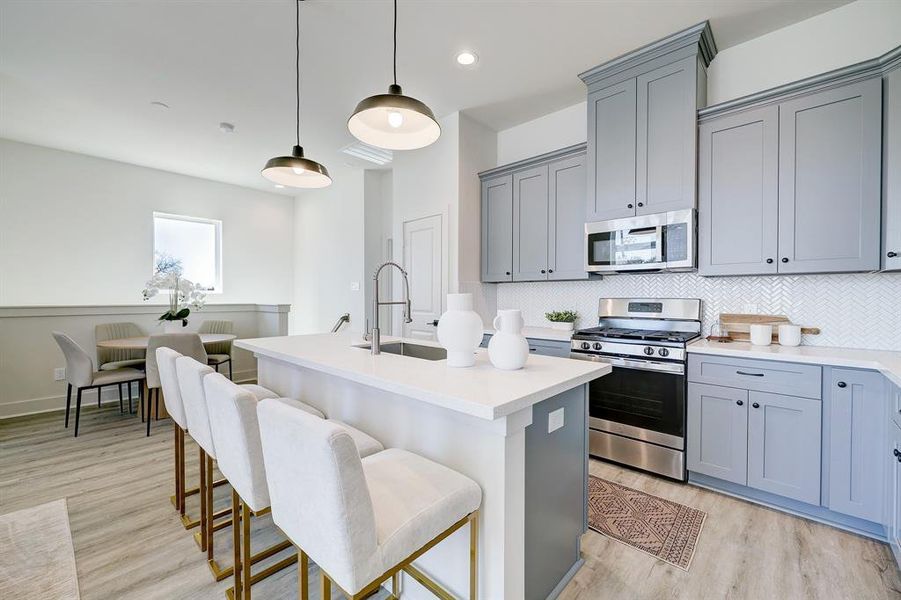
[{"x": 80, "y": 75}]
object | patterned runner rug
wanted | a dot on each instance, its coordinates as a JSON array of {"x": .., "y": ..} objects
[
  {"x": 664, "y": 529},
  {"x": 37, "y": 560}
]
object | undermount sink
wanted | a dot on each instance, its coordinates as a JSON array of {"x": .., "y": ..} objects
[{"x": 411, "y": 350}]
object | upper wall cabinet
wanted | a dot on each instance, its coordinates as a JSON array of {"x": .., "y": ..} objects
[
  {"x": 790, "y": 179},
  {"x": 642, "y": 119},
  {"x": 891, "y": 162},
  {"x": 533, "y": 218}
]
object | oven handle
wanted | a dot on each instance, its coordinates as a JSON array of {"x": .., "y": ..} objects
[{"x": 626, "y": 363}]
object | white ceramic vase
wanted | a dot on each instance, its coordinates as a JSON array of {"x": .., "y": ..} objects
[
  {"x": 508, "y": 348},
  {"x": 460, "y": 331},
  {"x": 172, "y": 327}
]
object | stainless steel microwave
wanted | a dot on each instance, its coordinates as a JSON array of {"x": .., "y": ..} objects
[{"x": 659, "y": 242}]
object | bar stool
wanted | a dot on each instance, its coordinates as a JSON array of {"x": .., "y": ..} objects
[
  {"x": 363, "y": 521},
  {"x": 187, "y": 344}
]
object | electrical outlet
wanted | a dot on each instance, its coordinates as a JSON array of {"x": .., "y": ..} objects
[
  {"x": 555, "y": 420},
  {"x": 59, "y": 374},
  {"x": 355, "y": 286}
]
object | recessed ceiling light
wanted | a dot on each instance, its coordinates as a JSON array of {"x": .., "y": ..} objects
[
  {"x": 226, "y": 127},
  {"x": 158, "y": 104},
  {"x": 279, "y": 186},
  {"x": 467, "y": 59}
]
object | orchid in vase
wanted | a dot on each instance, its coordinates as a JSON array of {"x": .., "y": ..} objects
[{"x": 183, "y": 293}]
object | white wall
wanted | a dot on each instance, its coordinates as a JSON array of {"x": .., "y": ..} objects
[
  {"x": 377, "y": 209},
  {"x": 555, "y": 130},
  {"x": 328, "y": 254},
  {"x": 78, "y": 230},
  {"x": 846, "y": 35}
]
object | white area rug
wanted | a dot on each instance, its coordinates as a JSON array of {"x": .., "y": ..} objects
[{"x": 37, "y": 559}]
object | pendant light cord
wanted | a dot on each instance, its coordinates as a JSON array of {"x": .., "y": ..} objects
[
  {"x": 297, "y": 64},
  {"x": 395, "y": 42}
]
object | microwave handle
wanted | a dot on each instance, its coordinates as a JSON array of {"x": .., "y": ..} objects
[{"x": 660, "y": 258}]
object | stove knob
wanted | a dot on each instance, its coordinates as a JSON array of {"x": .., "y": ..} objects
[
  {"x": 597, "y": 346},
  {"x": 586, "y": 346},
  {"x": 663, "y": 352},
  {"x": 648, "y": 350}
]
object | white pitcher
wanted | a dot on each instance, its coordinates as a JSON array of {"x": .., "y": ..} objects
[{"x": 508, "y": 348}]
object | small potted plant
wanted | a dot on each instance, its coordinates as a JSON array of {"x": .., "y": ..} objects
[
  {"x": 183, "y": 294},
  {"x": 562, "y": 319}
]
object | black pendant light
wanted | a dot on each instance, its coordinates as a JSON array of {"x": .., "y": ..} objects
[
  {"x": 295, "y": 170},
  {"x": 394, "y": 121}
]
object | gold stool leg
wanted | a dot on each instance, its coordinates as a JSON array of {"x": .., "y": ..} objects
[
  {"x": 203, "y": 505},
  {"x": 395, "y": 585},
  {"x": 236, "y": 538},
  {"x": 303, "y": 576},
  {"x": 245, "y": 549},
  {"x": 474, "y": 555},
  {"x": 325, "y": 586}
]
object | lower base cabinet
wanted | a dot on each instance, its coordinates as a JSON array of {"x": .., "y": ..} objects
[
  {"x": 762, "y": 440},
  {"x": 893, "y": 527}
]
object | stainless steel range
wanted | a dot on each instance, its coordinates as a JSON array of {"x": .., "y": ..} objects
[{"x": 637, "y": 412}]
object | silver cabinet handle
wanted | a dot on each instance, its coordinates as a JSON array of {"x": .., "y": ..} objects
[{"x": 750, "y": 374}]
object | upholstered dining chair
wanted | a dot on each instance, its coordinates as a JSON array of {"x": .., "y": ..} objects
[
  {"x": 117, "y": 358},
  {"x": 218, "y": 353},
  {"x": 186, "y": 344},
  {"x": 362, "y": 520},
  {"x": 81, "y": 375}
]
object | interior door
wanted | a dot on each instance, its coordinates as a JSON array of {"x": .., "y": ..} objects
[{"x": 423, "y": 262}]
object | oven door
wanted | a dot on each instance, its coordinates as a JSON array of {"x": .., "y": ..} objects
[{"x": 639, "y": 399}]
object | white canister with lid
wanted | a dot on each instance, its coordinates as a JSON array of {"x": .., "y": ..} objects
[
  {"x": 761, "y": 335},
  {"x": 790, "y": 335}
]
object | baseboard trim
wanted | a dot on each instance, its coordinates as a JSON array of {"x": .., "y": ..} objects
[
  {"x": 558, "y": 589},
  {"x": 34, "y": 406}
]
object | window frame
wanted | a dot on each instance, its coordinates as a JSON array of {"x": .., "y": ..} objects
[{"x": 217, "y": 224}]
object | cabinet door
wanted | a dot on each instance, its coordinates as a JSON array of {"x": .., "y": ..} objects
[
  {"x": 530, "y": 224},
  {"x": 829, "y": 180},
  {"x": 566, "y": 224},
  {"x": 891, "y": 171},
  {"x": 784, "y": 446},
  {"x": 894, "y": 516},
  {"x": 611, "y": 152},
  {"x": 666, "y": 151},
  {"x": 738, "y": 204},
  {"x": 856, "y": 443},
  {"x": 717, "y": 432},
  {"x": 497, "y": 229}
]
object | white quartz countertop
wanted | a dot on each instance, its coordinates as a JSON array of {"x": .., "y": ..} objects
[
  {"x": 885, "y": 361},
  {"x": 542, "y": 333},
  {"x": 480, "y": 391}
]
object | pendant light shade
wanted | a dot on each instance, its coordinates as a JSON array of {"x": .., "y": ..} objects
[
  {"x": 296, "y": 170},
  {"x": 394, "y": 121}
]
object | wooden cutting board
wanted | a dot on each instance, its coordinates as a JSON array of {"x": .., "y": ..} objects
[{"x": 738, "y": 326}]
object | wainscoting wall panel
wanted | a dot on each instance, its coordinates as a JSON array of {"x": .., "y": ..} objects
[{"x": 853, "y": 310}]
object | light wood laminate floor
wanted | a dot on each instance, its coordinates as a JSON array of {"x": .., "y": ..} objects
[{"x": 129, "y": 542}]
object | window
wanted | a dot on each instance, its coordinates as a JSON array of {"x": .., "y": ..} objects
[{"x": 195, "y": 243}]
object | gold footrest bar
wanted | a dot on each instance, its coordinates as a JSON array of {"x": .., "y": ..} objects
[
  {"x": 217, "y": 526},
  {"x": 271, "y": 570},
  {"x": 427, "y": 582},
  {"x": 219, "y": 573},
  {"x": 196, "y": 490}
]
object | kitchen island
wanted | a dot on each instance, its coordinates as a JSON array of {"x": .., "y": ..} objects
[{"x": 521, "y": 435}]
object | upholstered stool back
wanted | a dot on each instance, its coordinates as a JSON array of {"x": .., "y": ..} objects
[
  {"x": 318, "y": 489},
  {"x": 186, "y": 344},
  {"x": 190, "y": 375},
  {"x": 165, "y": 361}
]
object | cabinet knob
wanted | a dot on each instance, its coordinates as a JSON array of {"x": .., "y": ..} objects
[
  {"x": 769, "y": 261},
  {"x": 641, "y": 204},
  {"x": 895, "y": 452},
  {"x": 841, "y": 384},
  {"x": 543, "y": 271},
  {"x": 756, "y": 405},
  {"x": 785, "y": 259},
  {"x": 628, "y": 206},
  {"x": 508, "y": 272},
  {"x": 892, "y": 254},
  {"x": 550, "y": 270},
  {"x": 740, "y": 402}
]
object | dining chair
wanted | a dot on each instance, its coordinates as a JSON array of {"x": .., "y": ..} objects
[
  {"x": 218, "y": 353},
  {"x": 117, "y": 358},
  {"x": 186, "y": 344},
  {"x": 362, "y": 520},
  {"x": 80, "y": 374}
]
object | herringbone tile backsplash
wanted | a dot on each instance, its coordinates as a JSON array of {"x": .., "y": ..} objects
[{"x": 852, "y": 310}]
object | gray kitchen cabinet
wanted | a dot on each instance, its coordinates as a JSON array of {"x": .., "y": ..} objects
[
  {"x": 566, "y": 220},
  {"x": 718, "y": 432},
  {"x": 830, "y": 180},
  {"x": 738, "y": 195},
  {"x": 855, "y": 444},
  {"x": 533, "y": 218},
  {"x": 558, "y": 348},
  {"x": 784, "y": 446},
  {"x": 666, "y": 148},
  {"x": 895, "y": 404},
  {"x": 497, "y": 228},
  {"x": 530, "y": 224},
  {"x": 893, "y": 528},
  {"x": 891, "y": 165},
  {"x": 611, "y": 151}
]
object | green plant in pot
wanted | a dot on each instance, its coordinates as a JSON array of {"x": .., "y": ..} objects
[
  {"x": 183, "y": 293},
  {"x": 562, "y": 319}
]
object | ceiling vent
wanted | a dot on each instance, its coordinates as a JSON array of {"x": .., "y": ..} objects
[{"x": 363, "y": 151}]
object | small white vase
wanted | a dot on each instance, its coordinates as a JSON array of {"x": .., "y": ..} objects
[
  {"x": 460, "y": 331},
  {"x": 172, "y": 326},
  {"x": 508, "y": 348}
]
